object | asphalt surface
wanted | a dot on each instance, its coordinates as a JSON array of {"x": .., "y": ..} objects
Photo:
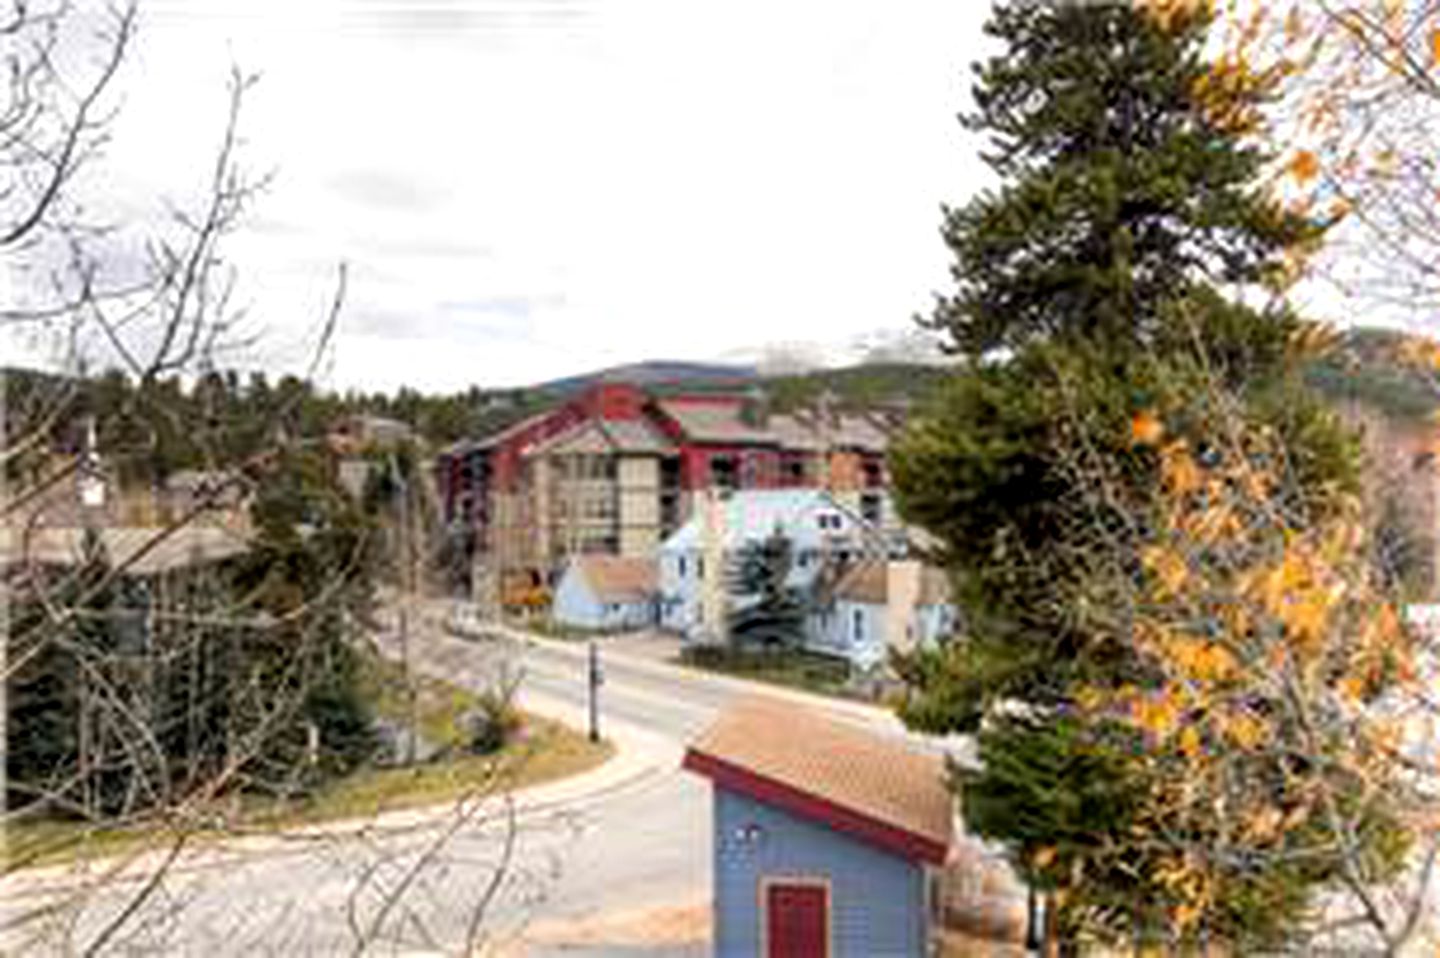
[{"x": 636, "y": 834}]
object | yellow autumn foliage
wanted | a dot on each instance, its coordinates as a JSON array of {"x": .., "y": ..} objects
[
  {"x": 1189, "y": 742},
  {"x": 1245, "y": 731},
  {"x": 1157, "y": 715},
  {"x": 1178, "y": 469},
  {"x": 1145, "y": 429},
  {"x": 1304, "y": 166},
  {"x": 1171, "y": 14},
  {"x": 1168, "y": 567}
]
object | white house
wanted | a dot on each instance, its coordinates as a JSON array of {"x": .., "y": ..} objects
[
  {"x": 605, "y": 592},
  {"x": 820, "y": 528},
  {"x": 877, "y": 605}
]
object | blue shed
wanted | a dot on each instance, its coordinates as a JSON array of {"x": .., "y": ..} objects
[{"x": 827, "y": 839}]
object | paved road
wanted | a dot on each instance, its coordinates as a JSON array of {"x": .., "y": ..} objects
[{"x": 638, "y": 833}]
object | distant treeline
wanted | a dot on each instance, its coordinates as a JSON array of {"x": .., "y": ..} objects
[
  {"x": 148, "y": 430},
  {"x": 152, "y": 429}
]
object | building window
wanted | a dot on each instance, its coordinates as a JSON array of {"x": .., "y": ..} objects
[
  {"x": 680, "y": 566},
  {"x": 584, "y": 467},
  {"x": 752, "y": 471},
  {"x": 700, "y": 567},
  {"x": 858, "y": 625},
  {"x": 600, "y": 544},
  {"x": 601, "y": 507},
  {"x": 723, "y": 471},
  {"x": 870, "y": 507}
]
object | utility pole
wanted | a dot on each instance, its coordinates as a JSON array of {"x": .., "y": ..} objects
[
  {"x": 596, "y": 679},
  {"x": 91, "y": 491},
  {"x": 407, "y": 588},
  {"x": 4, "y": 672}
]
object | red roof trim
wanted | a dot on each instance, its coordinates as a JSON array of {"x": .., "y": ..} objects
[{"x": 891, "y": 838}]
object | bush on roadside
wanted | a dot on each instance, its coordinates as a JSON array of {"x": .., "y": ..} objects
[{"x": 494, "y": 722}]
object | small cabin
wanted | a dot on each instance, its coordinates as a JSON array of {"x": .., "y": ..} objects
[
  {"x": 606, "y": 593},
  {"x": 828, "y": 840}
]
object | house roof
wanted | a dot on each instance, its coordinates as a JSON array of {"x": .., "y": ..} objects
[
  {"x": 138, "y": 550},
  {"x": 867, "y": 581},
  {"x": 815, "y": 767},
  {"x": 632, "y": 435},
  {"x": 803, "y": 430},
  {"x": 216, "y": 485},
  {"x": 753, "y": 514},
  {"x": 583, "y": 437},
  {"x": 503, "y": 436},
  {"x": 618, "y": 578},
  {"x": 793, "y": 433},
  {"x": 598, "y": 436},
  {"x": 715, "y": 422}
]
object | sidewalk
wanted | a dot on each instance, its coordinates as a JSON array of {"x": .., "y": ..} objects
[{"x": 638, "y": 756}]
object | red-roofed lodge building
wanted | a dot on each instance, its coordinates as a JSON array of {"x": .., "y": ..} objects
[{"x": 616, "y": 469}]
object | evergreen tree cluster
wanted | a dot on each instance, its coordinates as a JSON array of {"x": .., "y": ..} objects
[
  {"x": 132, "y": 692},
  {"x": 153, "y": 428},
  {"x": 765, "y": 611}
]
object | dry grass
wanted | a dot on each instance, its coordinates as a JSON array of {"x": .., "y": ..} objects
[{"x": 546, "y": 751}]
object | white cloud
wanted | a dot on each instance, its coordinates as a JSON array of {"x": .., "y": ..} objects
[{"x": 632, "y": 179}]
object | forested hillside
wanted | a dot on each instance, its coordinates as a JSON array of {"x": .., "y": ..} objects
[{"x": 223, "y": 418}]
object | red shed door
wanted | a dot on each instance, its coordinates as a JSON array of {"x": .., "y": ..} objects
[{"x": 797, "y": 922}]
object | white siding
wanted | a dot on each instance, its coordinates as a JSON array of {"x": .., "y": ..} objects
[
  {"x": 834, "y": 632},
  {"x": 574, "y": 604}
]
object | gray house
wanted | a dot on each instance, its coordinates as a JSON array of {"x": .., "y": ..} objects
[
  {"x": 827, "y": 840},
  {"x": 878, "y": 605},
  {"x": 606, "y": 593}
]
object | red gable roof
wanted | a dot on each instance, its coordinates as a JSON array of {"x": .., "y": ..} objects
[{"x": 856, "y": 782}]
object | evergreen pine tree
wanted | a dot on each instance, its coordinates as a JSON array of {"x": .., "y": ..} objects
[
  {"x": 1085, "y": 284},
  {"x": 765, "y": 611}
]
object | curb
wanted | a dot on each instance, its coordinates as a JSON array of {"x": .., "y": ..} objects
[{"x": 626, "y": 768}]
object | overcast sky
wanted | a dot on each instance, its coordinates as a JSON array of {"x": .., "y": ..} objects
[{"x": 531, "y": 188}]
